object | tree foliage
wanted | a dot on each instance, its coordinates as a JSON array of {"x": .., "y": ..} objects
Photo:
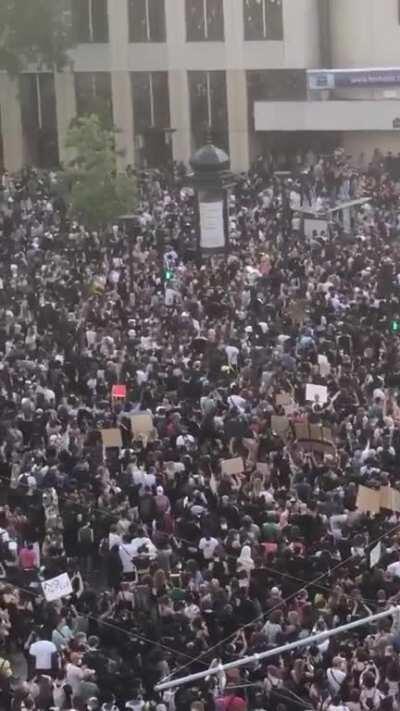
[
  {"x": 99, "y": 193},
  {"x": 34, "y": 31}
]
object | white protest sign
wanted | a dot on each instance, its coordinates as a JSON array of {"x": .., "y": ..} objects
[
  {"x": 324, "y": 366},
  {"x": 58, "y": 587},
  {"x": 317, "y": 394},
  {"x": 375, "y": 555}
]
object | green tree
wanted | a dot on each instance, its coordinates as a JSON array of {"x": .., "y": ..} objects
[
  {"x": 99, "y": 193},
  {"x": 34, "y": 31}
]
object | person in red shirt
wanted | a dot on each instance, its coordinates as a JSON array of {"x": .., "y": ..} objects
[{"x": 27, "y": 557}]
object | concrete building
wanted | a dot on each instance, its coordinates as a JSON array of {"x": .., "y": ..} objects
[{"x": 164, "y": 70}]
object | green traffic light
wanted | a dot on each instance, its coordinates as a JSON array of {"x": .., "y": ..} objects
[
  {"x": 168, "y": 275},
  {"x": 395, "y": 326}
]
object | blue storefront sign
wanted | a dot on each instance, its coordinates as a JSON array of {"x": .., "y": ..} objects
[{"x": 339, "y": 78}]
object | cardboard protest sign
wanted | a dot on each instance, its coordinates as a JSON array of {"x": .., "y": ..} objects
[
  {"x": 302, "y": 431},
  {"x": 111, "y": 437},
  {"x": 286, "y": 401},
  {"x": 118, "y": 392},
  {"x": 56, "y": 588},
  {"x": 280, "y": 425},
  {"x": 314, "y": 438},
  {"x": 317, "y": 394},
  {"x": 375, "y": 555},
  {"x": 142, "y": 424},
  {"x": 368, "y": 500},
  {"x": 232, "y": 466},
  {"x": 390, "y": 498}
]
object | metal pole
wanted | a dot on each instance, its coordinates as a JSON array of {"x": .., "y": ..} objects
[{"x": 277, "y": 650}]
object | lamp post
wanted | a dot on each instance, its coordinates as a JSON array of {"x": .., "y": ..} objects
[{"x": 211, "y": 181}]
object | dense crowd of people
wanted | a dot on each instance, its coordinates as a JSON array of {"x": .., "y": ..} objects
[{"x": 178, "y": 562}]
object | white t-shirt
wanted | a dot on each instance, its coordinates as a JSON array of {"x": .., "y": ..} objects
[
  {"x": 335, "y": 679},
  {"x": 394, "y": 569},
  {"x": 208, "y": 546},
  {"x": 42, "y": 651},
  {"x": 232, "y": 353}
]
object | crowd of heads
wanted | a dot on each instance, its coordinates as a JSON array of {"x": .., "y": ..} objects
[{"x": 218, "y": 532}]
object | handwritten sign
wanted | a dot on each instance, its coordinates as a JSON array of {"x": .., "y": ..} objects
[
  {"x": 317, "y": 394},
  {"x": 56, "y": 588}
]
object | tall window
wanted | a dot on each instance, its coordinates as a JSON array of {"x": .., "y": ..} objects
[
  {"x": 150, "y": 95},
  {"x": 90, "y": 20},
  {"x": 208, "y": 108},
  {"x": 147, "y": 21},
  {"x": 263, "y": 20},
  {"x": 204, "y": 20},
  {"x": 93, "y": 94},
  {"x": 39, "y": 119},
  {"x": 150, "y": 100}
]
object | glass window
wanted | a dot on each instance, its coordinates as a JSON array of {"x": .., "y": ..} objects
[
  {"x": 141, "y": 95},
  {"x": 150, "y": 94},
  {"x": 93, "y": 94},
  {"x": 99, "y": 21},
  {"x": 208, "y": 108},
  {"x": 29, "y": 102},
  {"x": 277, "y": 85},
  {"x": 80, "y": 20},
  {"x": 263, "y": 20},
  {"x": 147, "y": 21},
  {"x": 47, "y": 97},
  {"x": 39, "y": 119},
  {"x": 90, "y": 20},
  {"x": 160, "y": 90},
  {"x": 204, "y": 20}
]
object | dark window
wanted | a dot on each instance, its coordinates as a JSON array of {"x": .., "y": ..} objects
[
  {"x": 100, "y": 21},
  {"x": 277, "y": 85},
  {"x": 150, "y": 96},
  {"x": 93, "y": 94},
  {"x": 147, "y": 21},
  {"x": 208, "y": 108},
  {"x": 204, "y": 20},
  {"x": 90, "y": 20},
  {"x": 39, "y": 119},
  {"x": 263, "y": 20}
]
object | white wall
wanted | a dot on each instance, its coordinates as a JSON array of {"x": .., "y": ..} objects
[
  {"x": 325, "y": 115},
  {"x": 365, "y": 33}
]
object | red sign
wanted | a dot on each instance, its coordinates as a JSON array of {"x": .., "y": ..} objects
[{"x": 118, "y": 391}]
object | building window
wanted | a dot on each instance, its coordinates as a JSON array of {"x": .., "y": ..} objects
[
  {"x": 39, "y": 119},
  {"x": 204, "y": 20},
  {"x": 147, "y": 21},
  {"x": 263, "y": 20},
  {"x": 150, "y": 96},
  {"x": 93, "y": 95},
  {"x": 151, "y": 115},
  {"x": 208, "y": 108},
  {"x": 90, "y": 21},
  {"x": 276, "y": 85}
]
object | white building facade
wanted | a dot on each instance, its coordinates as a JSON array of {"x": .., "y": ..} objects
[{"x": 164, "y": 71}]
